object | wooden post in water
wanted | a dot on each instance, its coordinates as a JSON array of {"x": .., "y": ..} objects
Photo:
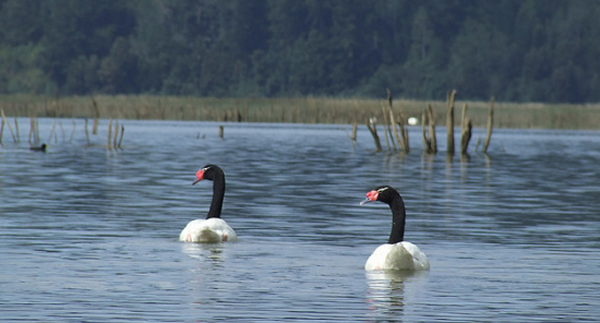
[
  {"x": 31, "y": 130},
  {"x": 466, "y": 127},
  {"x": 432, "y": 137},
  {"x": 73, "y": 131},
  {"x": 87, "y": 134},
  {"x": 393, "y": 123},
  {"x": 96, "y": 117},
  {"x": 37, "y": 130},
  {"x": 387, "y": 129},
  {"x": 352, "y": 136},
  {"x": 121, "y": 138},
  {"x": 34, "y": 132},
  {"x": 52, "y": 130},
  {"x": 109, "y": 134},
  {"x": 490, "y": 123},
  {"x": 62, "y": 130},
  {"x": 450, "y": 120},
  {"x": 221, "y": 130},
  {"x": 17, "y": 130},
  {"x": 403, "y": 131},
  {"x": 1, "y": 130},
  {"x": 426, "y": 141},
  {"x": 372, "y": 125},
  {"x": 116, "y": 134}
]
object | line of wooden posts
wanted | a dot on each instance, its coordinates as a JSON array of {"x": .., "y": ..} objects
[
  {"x": 397, "y": 129},
  {"x": 34, "y": 134}
]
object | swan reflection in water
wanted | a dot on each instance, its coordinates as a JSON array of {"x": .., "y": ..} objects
[
  {"x": 388, "y": 291},
  {"x": 207, "y": 253}
]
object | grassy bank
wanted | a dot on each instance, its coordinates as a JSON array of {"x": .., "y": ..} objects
[{"x": 298, "y": 110}]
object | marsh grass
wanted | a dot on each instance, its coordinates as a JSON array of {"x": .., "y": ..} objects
[{"x": 296, "y": 110}]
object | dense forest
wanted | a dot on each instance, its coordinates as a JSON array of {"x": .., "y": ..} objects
[{"x": 515, "y": 50}]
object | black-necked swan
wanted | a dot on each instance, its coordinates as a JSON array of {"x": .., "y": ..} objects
[
  {"x": 396, "y": 254},
  {"x": 212, "y": 229}
]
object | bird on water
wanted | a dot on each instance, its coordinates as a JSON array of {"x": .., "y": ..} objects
[
  {"x": 396, "y": 254},
  {"x": 213, "y": 229},
  {"x": 41, "y": 148}
]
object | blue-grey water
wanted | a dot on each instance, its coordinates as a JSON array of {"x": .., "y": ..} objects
[{"x": 91, "y": 235}]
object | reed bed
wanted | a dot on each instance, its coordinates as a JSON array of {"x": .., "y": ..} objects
[{"x": 296, "y": 110}]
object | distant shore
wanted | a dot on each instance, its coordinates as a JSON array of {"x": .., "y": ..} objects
[{"x": 295, "y": 110}]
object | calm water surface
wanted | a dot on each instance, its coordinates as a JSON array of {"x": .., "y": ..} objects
[{"x": 91, "y": 235}]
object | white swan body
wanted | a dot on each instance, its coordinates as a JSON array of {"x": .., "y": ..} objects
[
  {"x": 211, "y": 230},
  {"x": 399, "y": 256}
]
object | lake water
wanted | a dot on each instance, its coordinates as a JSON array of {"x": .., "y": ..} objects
[{"x": 91, "y": 235}]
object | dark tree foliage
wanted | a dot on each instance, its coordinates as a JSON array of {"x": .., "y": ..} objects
[{"x": 515, "y": 50}]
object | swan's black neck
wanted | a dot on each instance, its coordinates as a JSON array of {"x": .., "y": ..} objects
[
  {"x": 218, "y": 193},
  {"x": 398, "y": 220}
]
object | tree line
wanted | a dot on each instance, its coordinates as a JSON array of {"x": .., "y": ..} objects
[{"x": 515, "y": 50}]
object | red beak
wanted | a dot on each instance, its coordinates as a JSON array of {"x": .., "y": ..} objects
[
  {"x": 371, "y": 197},
  {"x": 199, "y": 176}
]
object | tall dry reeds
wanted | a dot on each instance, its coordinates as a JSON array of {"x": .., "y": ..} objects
[{"x": 298, "y": 110}]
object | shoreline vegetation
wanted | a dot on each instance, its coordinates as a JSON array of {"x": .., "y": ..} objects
[{"x": 296, "y": 110}]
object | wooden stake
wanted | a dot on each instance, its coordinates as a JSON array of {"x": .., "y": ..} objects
[
  {"x": 490, "y": 123},
  {"x": 87, "y": 134},
  {"x": 426, "y": 142},
  {"x": 393, "y": 122},
  {"x": 403, "y": 131},
  {"x": 1, "y": 130},
  {"x": 109, "y": 134},
  {"x": 221, "y": 130},
  {"x": 386, "y": 129},
  {"x": 467, "y": 136},
  {"x": 30, "y": 137},
  {"x": 121, "y": 138},
  {"x": 17, "y": 130},
  {"x": 373, "y": 129},
  {"x": 352, "y": 136},
  {"x": 116, "y": 134},
  {"x": 36, "y": 132},
  {"x": 96, "y": 117},
  {"x": 62, "y": 130},
  {"x": 450, "y": 120},
  {"x": 432, "y": 137},
  {"x": 73, "y": 131},
  {"x": 466, "y": 128},
  {"x": 52, "y": 130}
]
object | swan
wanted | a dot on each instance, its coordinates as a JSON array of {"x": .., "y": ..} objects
[
  {"x": 212, "y": 229},
  {"x": 396, "y": 254}
]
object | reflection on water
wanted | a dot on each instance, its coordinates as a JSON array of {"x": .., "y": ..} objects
[
  {"x": 211, "y": 253},
  {"x": 386, "y": 293},
  {"x": 88, "y": 234}
]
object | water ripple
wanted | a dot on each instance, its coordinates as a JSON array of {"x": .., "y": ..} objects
[{"x": 88, "y": 234}]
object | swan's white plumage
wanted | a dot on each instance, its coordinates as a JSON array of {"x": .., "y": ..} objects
[
  {"x": 210, "y": 230},
  {"x": 399, "y": 256}
]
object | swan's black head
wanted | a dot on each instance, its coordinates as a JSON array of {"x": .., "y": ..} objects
[
  {"x": 385, "y": 194},
  {"x": 209, "y": 172}
]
